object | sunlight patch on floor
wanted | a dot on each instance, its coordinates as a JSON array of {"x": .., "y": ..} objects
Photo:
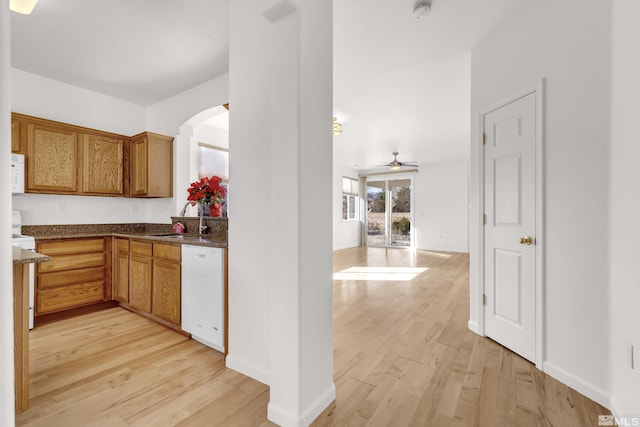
[{"x": 395, "y": 274}]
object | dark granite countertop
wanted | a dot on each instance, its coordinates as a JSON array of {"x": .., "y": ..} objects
[
  {"x": 183, "y": 239},
  {"x": 154, "y": 232},
  {"x": 23, "y": 256}
]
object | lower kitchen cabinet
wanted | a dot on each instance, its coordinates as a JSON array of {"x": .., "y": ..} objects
[
  {"x": 152, "y": 286},
  {"x": 121, "y": 270},
  {"x": 166, "y": 282},
  {"x": 140, "y": 269},
  {"x": 166, "y": 290},
  {"x": 75, "y": 277}
]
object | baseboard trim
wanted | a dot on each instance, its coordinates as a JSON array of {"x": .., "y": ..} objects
[
  {"x": 247, "y": 369},
  {"x": 592, "y": 392},
  {"x": 474, "y": 327},
  {"x": 624, "y": 417},
  {"x": 286, "y": 418}
]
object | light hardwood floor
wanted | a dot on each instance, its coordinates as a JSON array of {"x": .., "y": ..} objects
[{"x": 403, "y": 357}]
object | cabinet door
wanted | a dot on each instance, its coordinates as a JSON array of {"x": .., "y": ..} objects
[
  {"x": 15, "y": 136},
  {"x": 139, "y": 167},
  {"x": 121, "y": 278},
  {"x": 140, "y": 283},
  {"x": 51, "y": 158},
  {"x": 121, "y": 270},
  {"x": 166, "y": 290},
  {"x": 102, "y": 164},
  {"x": 159, "y": 175}
]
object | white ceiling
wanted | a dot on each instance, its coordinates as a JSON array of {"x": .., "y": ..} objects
[
  {"x": 403, "y": 84},
  {"x": 140, "y": 51},
  {"x": 400, "y": 84}
]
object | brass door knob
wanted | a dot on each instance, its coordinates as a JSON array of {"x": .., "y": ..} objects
[{"x": 527, "y": 240}]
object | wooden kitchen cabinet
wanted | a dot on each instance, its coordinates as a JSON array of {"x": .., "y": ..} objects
[
  {"x": 166, "y": 290},
  {"x": 51, "y": 158},
  {"x": 121, "y": 270},
  {"x": 166, "y": 282},
  {"x": 154, "y": 279},
  {"x": 151, "y": 166},
  {"x": 62, "y": 158},
  {"x": 75, "y": 277},
  {"x": 140, "y": 271},
  {"x": 16, "y": 135},
  {"x": 102, "y": 164}
]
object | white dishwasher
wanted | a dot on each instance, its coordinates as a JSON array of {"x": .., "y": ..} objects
[{"x": 203, "y": 294}]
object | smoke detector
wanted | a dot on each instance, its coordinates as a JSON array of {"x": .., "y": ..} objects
[{"x": 422, "y": 8}]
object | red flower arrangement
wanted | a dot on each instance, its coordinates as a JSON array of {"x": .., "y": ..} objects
[{"x": 207, "y": 191}]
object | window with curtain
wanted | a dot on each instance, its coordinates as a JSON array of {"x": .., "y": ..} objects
[{"x": 349, "y": 199}]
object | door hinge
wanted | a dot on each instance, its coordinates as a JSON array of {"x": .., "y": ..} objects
[
  {"x": 484, "y": 219},
  {"x": 484, "y": 138},
  {"x": 484, "y": 299}
]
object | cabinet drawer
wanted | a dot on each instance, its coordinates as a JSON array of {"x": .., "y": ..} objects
[
  {"x": 70, "y": 277},
  {"x": 61, "y": 247},
  {"x": 141, "y": 248},
  {"x": 63, "y": 297},
  {"x": 68, "y": 262},
  {"x": 122, "y": 245},
  {"x": 170, "y": 252}
]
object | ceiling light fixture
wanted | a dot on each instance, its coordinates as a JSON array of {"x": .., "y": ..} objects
[
  {"x": 422, "y": 8},
  {"x": 24, "y": 7},
  {"x": 337, "y": 127}
]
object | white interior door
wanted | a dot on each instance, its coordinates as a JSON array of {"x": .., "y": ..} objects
[{"x": 509, "y": 251}]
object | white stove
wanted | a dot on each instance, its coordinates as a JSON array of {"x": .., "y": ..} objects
[{"x": 27, "y": 243}]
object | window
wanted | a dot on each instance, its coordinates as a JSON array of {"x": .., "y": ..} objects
[
  {"x": 213, "y": 161},
  {"x": 349, "y": 199}
]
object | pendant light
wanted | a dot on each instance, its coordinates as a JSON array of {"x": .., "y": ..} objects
[{"x": 24, "y": 7}]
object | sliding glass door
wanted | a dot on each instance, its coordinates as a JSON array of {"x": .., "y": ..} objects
[{"x": 389, "y": 212}]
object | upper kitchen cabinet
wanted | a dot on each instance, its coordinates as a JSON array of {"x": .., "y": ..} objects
[
  {"x": 17, "y": 127},
  {"x": 67, "y": 159},
  {"x": 151, "y": 169},
  {"x": 102, "y": 164},
  {"x": 51, "y": 158}
]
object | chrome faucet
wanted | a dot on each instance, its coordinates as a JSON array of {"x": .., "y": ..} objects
[
  {"x": 184, "y": 209},
  {"x": 201, "y": 212},
  {"x": 201, "y": 228}
]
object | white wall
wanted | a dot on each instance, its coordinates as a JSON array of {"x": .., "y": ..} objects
[
  {"x": 249, "y": 343},
  {"x": 50, "y": 99},
  {"x": 346, "y": 234},
  {"x": 568, "y": 44},
  {"x": 179, "y": 117},
  {"x": 441, "y": 206},
  {"x": 625, "y": 210},
  {"x": 212, "y": 136},
  {"x": 166, "y": 117},
  {"x": 280, "y": 292},
  {"x": 7, "y": 401},
  {"x": 42, "y": 97}
]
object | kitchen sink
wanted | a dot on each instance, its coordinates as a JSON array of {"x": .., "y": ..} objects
[{"x": 186, "y": 237}]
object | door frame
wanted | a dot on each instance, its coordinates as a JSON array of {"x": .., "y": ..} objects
[
  {"x": 389, "y": 177},
  {"x": 538, "y": 89}
]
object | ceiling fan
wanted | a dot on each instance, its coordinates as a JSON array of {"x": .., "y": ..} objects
[{"x": 395, "y": 164}]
